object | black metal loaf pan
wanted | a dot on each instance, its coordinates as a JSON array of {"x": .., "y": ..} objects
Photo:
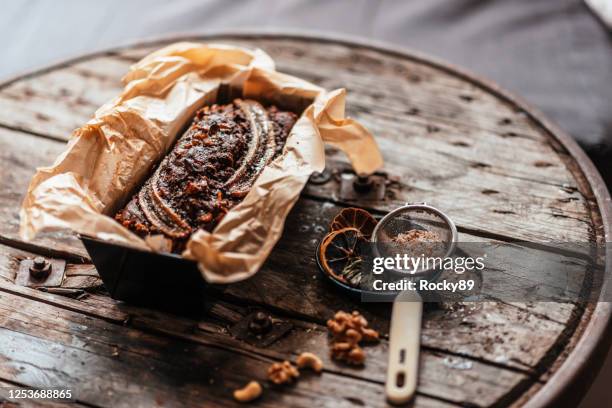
[{"x": 163, "y": 281}]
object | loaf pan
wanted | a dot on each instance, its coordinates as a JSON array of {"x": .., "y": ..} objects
[{"x": 161, "y": 280}]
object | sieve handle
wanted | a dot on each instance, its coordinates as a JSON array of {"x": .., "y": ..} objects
[{"x": 405, "y": 339}]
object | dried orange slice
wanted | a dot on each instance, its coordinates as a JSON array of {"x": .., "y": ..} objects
[
  {"x": 340, "y": 255},
  {"x": 354, "y": 218}
]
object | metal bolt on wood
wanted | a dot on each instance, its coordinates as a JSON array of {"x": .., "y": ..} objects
[
  {"x": 261, "y": 323},
  {"x": 40, "y": 269},
  {"x": 363, "y": 183}
]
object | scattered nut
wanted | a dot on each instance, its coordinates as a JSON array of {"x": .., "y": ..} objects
[
  {"x": 249, "y": 393},
  {"x": 356, "y": 356},
  {"x": 282, "y": 373},
  {"x": 353, "y": 336},
  {"x": 352, "y": 326},
  {"x": 311, "y": 361},
  {"x": 369, "y": 334},
  {"x": 336, "y": 327},
  {"x": 342, "y": 346},
  {"x": 348, "y": 330},
  {"x": 347, "y": 352}
]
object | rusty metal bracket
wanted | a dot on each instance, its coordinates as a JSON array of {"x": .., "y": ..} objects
[
  {"x": 40, "y": 272},
  {"x": 355, "y": 187},
  {"x": 260, "y": 329}
]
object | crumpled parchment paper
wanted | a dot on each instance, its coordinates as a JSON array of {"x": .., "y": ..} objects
[{"x": 109, "y": 157}]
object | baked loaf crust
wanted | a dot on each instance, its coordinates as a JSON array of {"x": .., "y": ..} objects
[{"x": 210, "y": 169}]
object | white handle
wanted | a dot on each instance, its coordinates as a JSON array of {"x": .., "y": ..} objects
[{"x": 405, "y": 339}]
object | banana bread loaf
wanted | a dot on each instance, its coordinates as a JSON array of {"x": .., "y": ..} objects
[{"x": 210, "y": 169}]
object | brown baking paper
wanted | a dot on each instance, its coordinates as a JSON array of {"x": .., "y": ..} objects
[{"x": 109, "y": 157}]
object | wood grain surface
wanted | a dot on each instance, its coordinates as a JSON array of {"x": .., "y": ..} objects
[{"x": 453, "y": 142}]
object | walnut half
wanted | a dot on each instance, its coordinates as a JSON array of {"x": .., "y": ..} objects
[{"x": 282, "y": 373}]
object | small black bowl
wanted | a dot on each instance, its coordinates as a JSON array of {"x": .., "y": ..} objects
[{"x": 353, "y": 292}]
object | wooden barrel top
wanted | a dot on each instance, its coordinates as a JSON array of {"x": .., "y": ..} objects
[{"x": 499, "y": 169}]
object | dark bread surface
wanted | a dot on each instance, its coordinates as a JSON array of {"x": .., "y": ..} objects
[{"x": 210, "y": 169}]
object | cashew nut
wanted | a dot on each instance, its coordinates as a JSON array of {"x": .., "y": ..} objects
[
  {"x": 250, "y": 392},
  {"x": 310, "y": 360}
]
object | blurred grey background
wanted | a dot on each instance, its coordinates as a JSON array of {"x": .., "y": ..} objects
[{"x": 553, "y": 53}]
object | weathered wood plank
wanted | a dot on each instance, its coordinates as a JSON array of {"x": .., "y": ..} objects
[
  {"x": 36, "y": 319},
  {"x": 17, "y": 145},
  {"x": 9, "y": 264},
  {"x": 274, "y": 279},
  {"x": 471, "y": 323},
  {"x": 6, "y": 402},
  {"x": 438, "y": 367},
  {"x": 437, "y": 372},
  {"x": 20, "y": 154},
  {"x": 204, "y": 376},
  {"x": 60, "y": 101},
  {"x": 501, "y": 175},
  {"x": 516, "y": 208},
  {"x": 438, "y": 118},
  {"x": 83, "y": 276},
  {"x": 388, "y": 100},
  {"x": 499, "y": 349},
  {"x": 317, "y": 300}
]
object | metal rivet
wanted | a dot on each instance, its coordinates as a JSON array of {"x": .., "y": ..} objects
[
  {"x": 261, "y": 323},
  {"x": 39, "y": 262},
  {"x": 40, "y": 269}
]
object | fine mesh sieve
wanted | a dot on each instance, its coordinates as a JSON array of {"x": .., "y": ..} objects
[
  {"x": 415, "y": 230},
  {"x": 423, "y": 231}
]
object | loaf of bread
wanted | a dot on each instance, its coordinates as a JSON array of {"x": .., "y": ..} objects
[{"x": 210, "y": 169}]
